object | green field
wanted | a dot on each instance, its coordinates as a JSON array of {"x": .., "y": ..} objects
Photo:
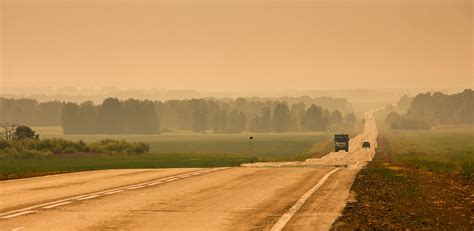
[
  {"x": 20, "y": 168},
  {"x": 175, "y": 150},
  {"x": 268, "y": 145},
  {"x": 444, "y": 149}
]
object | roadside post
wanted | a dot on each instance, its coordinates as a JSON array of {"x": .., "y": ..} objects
[{"x": 250, "y": 144}]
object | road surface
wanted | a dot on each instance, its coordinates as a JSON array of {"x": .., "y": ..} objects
[{"x": 306, "y": 195}]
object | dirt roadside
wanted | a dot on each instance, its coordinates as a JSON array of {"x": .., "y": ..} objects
[{"x": 391, "y": 196}]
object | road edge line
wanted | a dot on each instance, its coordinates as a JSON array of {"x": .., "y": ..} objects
[{"x": 280, "y": 224}]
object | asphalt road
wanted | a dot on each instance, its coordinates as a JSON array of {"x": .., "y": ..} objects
[{"x": 307, "y": 195}]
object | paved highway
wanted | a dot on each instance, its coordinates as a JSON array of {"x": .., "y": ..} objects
[{"x": 306, "y": 195}]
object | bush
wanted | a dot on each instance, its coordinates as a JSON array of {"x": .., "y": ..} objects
[
  {"x": 54, "y": 145},
  {"x": 22, "y": 152},
  {"x": 25, "y": 132},
  {"x": 4, "y": 144},
  {"x": 29, "y": 148},
  {"x": 138, "y": 148},
  {"x": 116, "y": 147}
]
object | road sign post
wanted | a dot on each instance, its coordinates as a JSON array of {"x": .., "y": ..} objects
[{"x": 250, "y": 144}]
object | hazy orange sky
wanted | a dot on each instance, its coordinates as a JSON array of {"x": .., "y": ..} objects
[{"x": 237, "y": 45}]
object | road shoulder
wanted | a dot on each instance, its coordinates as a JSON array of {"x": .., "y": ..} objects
[{"x": 391, "y": 196}]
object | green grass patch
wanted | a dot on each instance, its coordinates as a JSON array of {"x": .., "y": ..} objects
[
  {"x": 270, "y": 145},
  {"x": 18, "y": 168},
  {"x": 174, "y": 150},
  {"x": 442, "y": 150}
]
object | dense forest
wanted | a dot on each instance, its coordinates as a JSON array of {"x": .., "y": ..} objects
[
  {"x": 133, "y": 116},
  {"x": 111, "y": 117},
  {"x": 430, "y": 109}
]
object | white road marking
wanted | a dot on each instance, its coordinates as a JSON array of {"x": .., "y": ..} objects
[
  {"x": 357, "y": 163},
  {"x": 56, "y": 205},
  {"x": 155, "y": 183},
  {"x": 171, "y": 179},
  {"x": 280, "y": 224},
  {"x": 112, "y": 192},
  {"x": 19, "y": 228},
  {"x": 18, "y": 214},
  {"x": 88, "y": 197},
  {"x": 44, "y": 204},
  {"x": 135, "y": 187}
]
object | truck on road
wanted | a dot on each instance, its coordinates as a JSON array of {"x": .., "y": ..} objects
[{"x": 341, "y": 142}]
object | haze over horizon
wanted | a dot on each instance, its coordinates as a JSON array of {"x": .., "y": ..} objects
[{"x": 239, "y": 45}]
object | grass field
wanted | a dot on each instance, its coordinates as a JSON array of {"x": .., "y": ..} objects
[
  {"x": 269, "y": 145},
  {"x": 175, "y": 150},
  {"x": 446, "y": 149},
  {"x": 418, "y": 180},
  {"x": 20, "y": 168}
]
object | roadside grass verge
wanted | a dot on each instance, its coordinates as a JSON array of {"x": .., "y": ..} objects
[
  {"x": 444, "y": 150},
  {"x": 417, "y": 180},
  {"x": 20, "y": 168},
  {"x": 274, "y": 144}
]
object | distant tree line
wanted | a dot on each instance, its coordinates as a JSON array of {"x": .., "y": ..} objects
[
  {"x": 132, "y": 116},
  {"x": 298, "y": 118},
  {"x": 30, "y": 112},
  {"x": 111, "y": 117},
  {"x": 430, "y": 109},
  {"x": 235, "y": 116}
]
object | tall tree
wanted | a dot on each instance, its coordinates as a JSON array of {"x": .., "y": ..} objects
[
  {"x": 313, "y": 119},
  {"x": 25, "y": 132},
  {"x": 149, "y": 117},
  {"x": 200, "y": 120},
  {"x": 87, "y": 117},
  {"x": 47, "y": 114},
  {"x": 281, "y": 118},
  {"x": 235, "y": 122},
  {"x": 109, "y": 117},
  {"x": 70, "y": 118},
  {"x": 297, "y": 112},
  {"x": 255, "y": 124},
  {"x": 266, "y": 119}
]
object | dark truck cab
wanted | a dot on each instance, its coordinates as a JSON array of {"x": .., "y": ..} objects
[{"x": 341, "y": 142}]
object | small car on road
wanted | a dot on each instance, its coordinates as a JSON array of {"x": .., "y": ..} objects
[{"x": 366, "y": 144}]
